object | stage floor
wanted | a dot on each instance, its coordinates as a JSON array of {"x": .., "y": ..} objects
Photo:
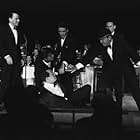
[
  {"x": 65, "y": 119},
  {"x": 69, "y": 115}
]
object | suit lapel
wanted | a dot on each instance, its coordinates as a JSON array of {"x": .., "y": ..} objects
[
  {"x": 11, "y": 35},
  {"x": 64, "y": 44},
  {"x": 115, "y": 48}
]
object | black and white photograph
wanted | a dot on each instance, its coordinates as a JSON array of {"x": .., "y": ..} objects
[{"x": 69, "y": 69}]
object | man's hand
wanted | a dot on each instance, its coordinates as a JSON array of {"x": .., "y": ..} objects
[
  {"x": 138, "y": 63},
  {"x": 22, "y": 62},
  {"x": 79, "y": 66},
  {"x": 61, "y": 70},
  {"x": 8, "y": 59},
  {"x": 98, "y": 61},
  {"x": 70, "y": 68}
]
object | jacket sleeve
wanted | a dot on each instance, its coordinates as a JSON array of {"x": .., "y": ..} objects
[
  {"x": 130, "y": 51},
  {"x": 4, "y": 50}
]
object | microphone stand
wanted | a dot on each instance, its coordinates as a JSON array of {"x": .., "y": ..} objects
[{"x": 25, "y": 65}]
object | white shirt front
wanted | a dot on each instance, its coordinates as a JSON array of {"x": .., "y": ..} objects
[
  {"x": 14, "y": 32},
  {"x": 112, "y": 33},
  {"x": 109, "y": 50},
  {"x": 56, "y": 90},
  {"x": 62, "y": 41}
]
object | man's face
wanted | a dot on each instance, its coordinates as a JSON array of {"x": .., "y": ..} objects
[
  {"x": 50, "y": 57},
  {"x": 62, "y": 31},
  {"x": 105, "y": 41},
  {"x": 14, "y": 20},
  {"x": 110, "y": 26},
  {"x": 35, "y": 52}
]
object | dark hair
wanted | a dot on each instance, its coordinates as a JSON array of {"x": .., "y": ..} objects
[
  {"x": 113, "y": 19},
  {"x": 62, "y": 24},
  {"x": 45, "y": 52},
  {"x": 103, "y": 32},
  {"x": 10, "y": 14}
]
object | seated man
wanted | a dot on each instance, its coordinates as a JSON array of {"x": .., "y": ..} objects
[
  {"x": 45, "y": 75},
  {"x": 46, "y": 78},
  {"x": 51, "y": 84}
]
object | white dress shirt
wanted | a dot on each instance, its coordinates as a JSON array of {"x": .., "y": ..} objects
[
  {"x": 109, "y": 50},
  {"x": 62, "y": 41},
  {"x": 113, "y": 33}
]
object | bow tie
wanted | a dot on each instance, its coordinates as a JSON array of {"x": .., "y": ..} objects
[
  {"x": 15, "y": 28},
  {"x": 109, "y": 46},
  {"x": 63, "y": 38}
]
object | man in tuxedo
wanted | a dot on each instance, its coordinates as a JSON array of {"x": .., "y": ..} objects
[
  {"x": 10, "y": 41},
  {"x": 43, "y": 63},
  {"x": 65, "y": 52},
  {"x": 66, "y": 44},
  {"x": 116, "y": 57},
  {"x": 46, "y": 79}
]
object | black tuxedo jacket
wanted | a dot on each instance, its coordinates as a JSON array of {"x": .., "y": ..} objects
[
  {"x": 40, "y": 71},
  {"x": 8, "y": 45},
  {"x": 123, "y": 55},
  {"x": 120, "y": 67},
  {"x": 68, "y": 51}
]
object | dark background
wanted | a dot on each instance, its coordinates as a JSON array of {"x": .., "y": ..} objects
[{"x": 85, "y": 17}]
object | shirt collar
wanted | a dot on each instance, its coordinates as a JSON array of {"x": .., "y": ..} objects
[
  {"x": 11, "y": 26},
  {"x": 63, "y": 38},
  {"x": 112, "y": 33},
  {"x": 111, "y": 43}
]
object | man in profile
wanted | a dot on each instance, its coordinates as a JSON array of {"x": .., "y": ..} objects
[{"x": 10, "y": 53}]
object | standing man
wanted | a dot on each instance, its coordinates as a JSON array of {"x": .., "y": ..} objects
[
  {"x": 116, "y": 58},
  {"x": 65, "y": 52},
  {"x": 66, "y": 45},
  {"x": 10, "y": 41}
]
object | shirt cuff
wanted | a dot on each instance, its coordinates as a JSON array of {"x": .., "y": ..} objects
[
  {"x": 65, "y": 63},
  {"x": 5, "y": 57},
  {"x": 79, "y": 65}
]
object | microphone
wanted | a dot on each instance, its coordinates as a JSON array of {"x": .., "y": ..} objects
[
  {"x": 24, "y": 49},
  {"x": 25, "y": 44},
  {"x": 25, "y": 38}
]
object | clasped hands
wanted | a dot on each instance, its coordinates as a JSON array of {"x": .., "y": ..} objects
[{"x": 65, "y": 67}]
